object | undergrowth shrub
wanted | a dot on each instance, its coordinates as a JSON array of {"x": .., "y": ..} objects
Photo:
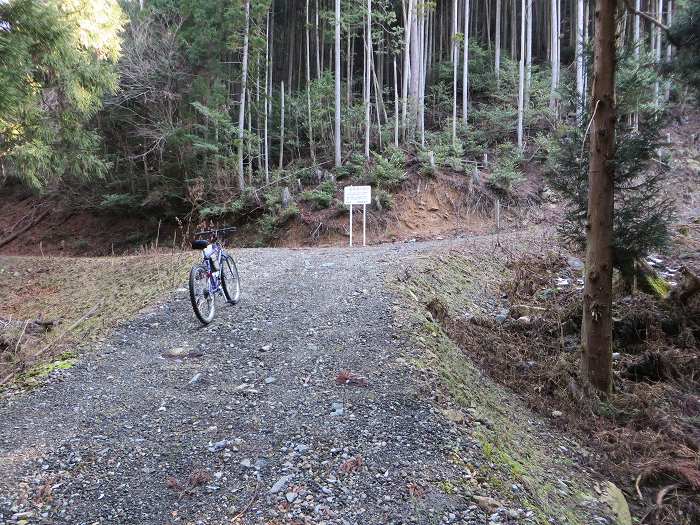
[
  {"x": 644, "y": 210},
  {"x": 428, "y": 164},
  {"x": 354, "y": 167},
  {"x": 389, "y": 170},
  {"x": 272, "y": 220},
  {"x": 506, "y": 171},
  {"x": 119, "y": 202},
  {"x": 242, "y": 205},
  {"x": 383, "y": 200},
  {"x": 322, "y": 196},
  {"x": 448, "y": 153}
]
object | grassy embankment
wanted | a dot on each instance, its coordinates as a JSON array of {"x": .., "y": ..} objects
[
  {"x": 524, "y": 461},
  {"x": 85, "y": 296}
]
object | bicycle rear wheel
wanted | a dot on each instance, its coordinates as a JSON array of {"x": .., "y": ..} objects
[
  {"x": 230, "y": 280},
  {"x": 202, "y": 301}
]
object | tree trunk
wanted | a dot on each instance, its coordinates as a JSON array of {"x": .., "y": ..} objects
[
  {"x": 579, "y": 60},
  {"x": 657, "y": 49},
  {"x": 338, "y": 142},
  {"x": 638, "y": 43},
  {"x": 312, "y": 149},
  {"x": 528, "y": 54},
  {"x": 521, "y": 84},
  {"x": 318, "y": 46},
  {"x": 597, "y": 300},
  {"x": 497, "y": 43},
  {"x": 349, "y": 57},
  {"x": 421, "y": 75},
  {"x": 281, "y": 164},
  {"x": 406, "y": 73},
  {"x": 554, "y": 48},
  {"x": 241, "y": 109},
  {"x": 513, "y": 28},
  {"x": 488, "y": 25},
  {"x": 396, "y": 106},
  {"x": 669, "y": 46},
  {"x": 465, "y": 66},
  {"x": 414, "y": 84},
  {"x": 368, "y": 78},
  {"x": 266, "y": 145},
  {"x": 292, "y": 45},
  {"x": 455, "y": 67}
]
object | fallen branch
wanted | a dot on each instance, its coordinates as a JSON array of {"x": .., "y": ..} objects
[
  {"x": 248, "y": 505},
  {"x": 32, "y": 326},
  {"x": 72, "y": 327},
  {"x": 649, "y": 18},
  {"x": 21, "y": 334},
  {"x": 32, "y": 222}
]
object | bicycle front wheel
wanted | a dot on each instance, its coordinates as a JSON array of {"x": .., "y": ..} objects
[
  {"x": 200, "y": 297},
  {"x": 230, "y": 280}
]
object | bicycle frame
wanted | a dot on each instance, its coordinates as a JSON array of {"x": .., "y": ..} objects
[
  {"x": 218, "y": 268},
  {"x": 214, "y": 249}
]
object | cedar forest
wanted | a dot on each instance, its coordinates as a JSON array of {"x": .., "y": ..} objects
[{"x": 216, "y": 108}]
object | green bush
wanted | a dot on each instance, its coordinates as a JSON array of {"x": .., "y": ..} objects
[
  {"x": 272, "y": 220},
  {"x": 496, "y": 123},
  {"x": 388, "y": 171},
  {"x": 448, "y": 154},
  {"x": 355, "y": 167},
  {"x": 427, "y": 168},
  {"x": 506, "y": 172},
  {"x": 322, "y": 196},
  {"x": 119, "y": 202},
  {"x": 383, "y": 200},
  {"x": 242, "y": 205}
]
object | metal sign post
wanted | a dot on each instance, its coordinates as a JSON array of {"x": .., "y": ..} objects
[
  {"x": 364, "y": 225},
  {"x": 358, "y": 195}
]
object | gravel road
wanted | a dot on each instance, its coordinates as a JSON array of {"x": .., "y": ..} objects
[{"x": 166, "y": 422}]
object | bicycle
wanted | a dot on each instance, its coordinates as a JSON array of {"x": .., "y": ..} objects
[{"x": 215, "y": 276}]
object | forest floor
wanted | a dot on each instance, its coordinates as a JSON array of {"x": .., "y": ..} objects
[{"x": 320, "y": 398}]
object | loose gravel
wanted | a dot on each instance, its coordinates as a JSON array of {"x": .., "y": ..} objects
[{"x": 242, "y": 421}]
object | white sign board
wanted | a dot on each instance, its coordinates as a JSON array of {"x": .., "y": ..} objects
[{"x": 357, "y": 195}]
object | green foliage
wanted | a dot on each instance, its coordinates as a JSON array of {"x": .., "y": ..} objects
[
  {"x": 685, "y": 32},
  {"x": 548, "y": 148},
  {"x": 428, "y": 166},
  {"x": 270, "y": 222},
  {"x": 496, "y": 123},
  {"x": 388, "y": 171},
  {"x": 642, "y": 212},
  {"x": 354, "y": 167},
  {"x": 118, "y": 202},
  {"x": 322, "y": 196},
  {"x": 448, "y": 154},
  {"x": 243, "y": 205},
  {"x": 383, "y": 200},
  {"x": 634, "y": 83},
  {"x": 506, "y": 171},
  {"x": 57, "y": 61}
]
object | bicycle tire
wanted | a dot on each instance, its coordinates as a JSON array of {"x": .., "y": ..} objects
[
  {"x": 195, "y": 275},
  {"x": 232, "y": 295}
]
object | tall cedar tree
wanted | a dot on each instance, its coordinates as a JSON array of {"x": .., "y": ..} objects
[{"x": 643, "y": 213}]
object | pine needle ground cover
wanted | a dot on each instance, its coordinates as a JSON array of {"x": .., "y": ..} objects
[{"x": 525, "y": 334}]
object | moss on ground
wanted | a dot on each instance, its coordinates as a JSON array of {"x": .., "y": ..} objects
[{"x": 518, "y": 452}]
